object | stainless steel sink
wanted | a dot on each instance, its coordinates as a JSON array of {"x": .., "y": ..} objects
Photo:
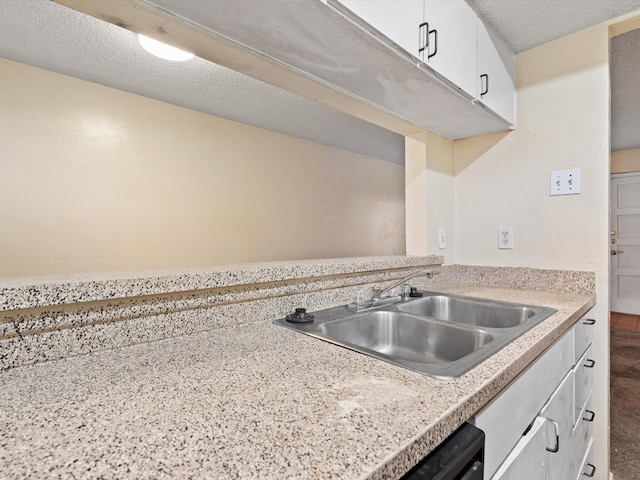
[
  {"x": 406, "y": 337},
  {"x": 483, "y": 313},
  {"x": 439, "y": 335}
]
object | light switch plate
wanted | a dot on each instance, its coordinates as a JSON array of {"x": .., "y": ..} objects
[{"x": 565, "y": 182}]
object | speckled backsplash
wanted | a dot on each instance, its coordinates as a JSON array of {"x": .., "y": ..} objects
[
  {"x": 525, "y": 278},
  {"x": 53, "y": 318}
]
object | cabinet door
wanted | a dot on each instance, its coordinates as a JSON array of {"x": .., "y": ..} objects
[
  {"x": 453, "y": 42},
  {"x": 526, "y": 461},
  {"x": 399, "y": 20},
  {"x": 559, "y": 408},
  {"x": 496, "y": 73}
]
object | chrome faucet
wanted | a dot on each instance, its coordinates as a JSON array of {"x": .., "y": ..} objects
[{"x": 377, "y": 291}]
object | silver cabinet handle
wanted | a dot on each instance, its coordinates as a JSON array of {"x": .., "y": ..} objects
[
  {"x": 589, "y": 321},
  {"x": 589, "y": 363},
  {"x": 591, "y": 414}
]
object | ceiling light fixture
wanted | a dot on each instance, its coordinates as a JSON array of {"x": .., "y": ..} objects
[{"x": 163, "y": 50}]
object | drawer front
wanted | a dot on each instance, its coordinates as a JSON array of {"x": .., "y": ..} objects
[
  {"x": 521, "y": 402},
  {"x": 583, "y": 374},
  {"x": 582, "y": 436},
  {"x": 583, "y": 334},
  {"x": 587, "y": 468}
]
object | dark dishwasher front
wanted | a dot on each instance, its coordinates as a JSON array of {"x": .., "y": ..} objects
[{"x": 459, "y": 457}]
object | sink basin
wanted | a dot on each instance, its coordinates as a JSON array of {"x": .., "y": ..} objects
[
  {"x": 470, "y": 311},
  {"x": 406, "y": 337},
  {"x": 439, "y": 335}
]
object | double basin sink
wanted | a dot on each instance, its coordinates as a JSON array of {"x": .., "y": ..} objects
[{"x": 440, "y": 335}]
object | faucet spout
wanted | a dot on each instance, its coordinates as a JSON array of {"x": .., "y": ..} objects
[{"x": 377, "y": 292}]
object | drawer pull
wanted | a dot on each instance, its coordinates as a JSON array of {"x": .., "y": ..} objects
[
  {"x": 591, "y": 416},
  {"x": 557, "y": 429},
  {"x": 589, "y": 321},
  {"x": 593, "y": 470},
  {"x": 589, "y": 363}
]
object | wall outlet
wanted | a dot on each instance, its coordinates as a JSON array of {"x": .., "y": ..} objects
[
  {"x": 442, "y": 242},
  {"x": 505, "y": 237},
  {"x": 565, "y": 182}
]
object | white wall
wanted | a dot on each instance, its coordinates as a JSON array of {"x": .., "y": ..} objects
[
  {"x": 503, "y": 180},
  {"x": 429, "y": 178},
  {"x": 95, "y": 179}
]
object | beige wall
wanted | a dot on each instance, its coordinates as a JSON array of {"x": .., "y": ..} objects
[
  {"x": 503, "y": 180},
  {"x": 95, "y": 179},
  {"x": 429, "y": 178},
  {"x": 624, "y": 161}
]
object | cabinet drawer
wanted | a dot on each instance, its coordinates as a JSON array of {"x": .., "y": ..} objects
[
  {"x": 583, "y": 333},
  {"x": 583, "y": 380},
  {"x": 521, "y": 402},
  {"x": 582, "y": 436},
  {"x": 587, "y": 468}
]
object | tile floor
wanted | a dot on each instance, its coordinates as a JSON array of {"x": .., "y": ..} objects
[{"x": 624, "y": 321}]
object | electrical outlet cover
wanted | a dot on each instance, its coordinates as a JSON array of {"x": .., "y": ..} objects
[{"x": 505, "y": 237}]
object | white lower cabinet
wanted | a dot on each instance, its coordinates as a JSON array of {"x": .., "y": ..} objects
[{"x": 541, "y": 426}]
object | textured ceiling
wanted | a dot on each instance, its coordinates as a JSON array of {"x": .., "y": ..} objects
[
  {"x": 50, "y": 36},
  {"x": 528, "y": 23},
  {"x": 625, "y": 91}
]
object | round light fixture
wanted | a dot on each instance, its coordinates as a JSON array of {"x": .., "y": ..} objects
[{"x": 163, "y": 50}]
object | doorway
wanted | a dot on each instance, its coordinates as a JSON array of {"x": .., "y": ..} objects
[{"x": 625, "y": 243}]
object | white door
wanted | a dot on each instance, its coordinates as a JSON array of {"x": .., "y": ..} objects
[{"x": 625, "y": 243}]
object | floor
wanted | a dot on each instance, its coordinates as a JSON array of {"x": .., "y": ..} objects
[
  {"x": 624, "y": 321},
  {"x": 625, "y": 401}
]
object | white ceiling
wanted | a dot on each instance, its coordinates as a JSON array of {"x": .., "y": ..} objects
[
  {"x": 53, "y": 37},
  {"x": 525, "y": 24}
]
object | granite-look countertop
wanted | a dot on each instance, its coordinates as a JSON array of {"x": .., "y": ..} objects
[{"x": 259, "y": 401}]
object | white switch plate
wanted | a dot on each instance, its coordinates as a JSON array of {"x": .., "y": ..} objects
[
  {"x": 442, "y": 241},
  {"x": 565, "y": 182},
  {"x": 505, "y": 237}
]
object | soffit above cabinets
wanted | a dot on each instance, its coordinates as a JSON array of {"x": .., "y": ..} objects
[{"x": 311, "y": 49}]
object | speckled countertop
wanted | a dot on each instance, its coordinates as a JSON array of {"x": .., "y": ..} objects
[{"x": 259, "y": 401}]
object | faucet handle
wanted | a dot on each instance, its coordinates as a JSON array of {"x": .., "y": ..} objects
[{"x": 376, "y": 293}]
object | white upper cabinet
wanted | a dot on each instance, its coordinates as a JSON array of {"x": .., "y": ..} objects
[
  {"x": 496, "y": 73},
  {"x": 448, "y": 36},
  {"x": 451, "y": 28},
  {"x": 398, "y": 20},
  {"x": 362, "y": 57}
]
